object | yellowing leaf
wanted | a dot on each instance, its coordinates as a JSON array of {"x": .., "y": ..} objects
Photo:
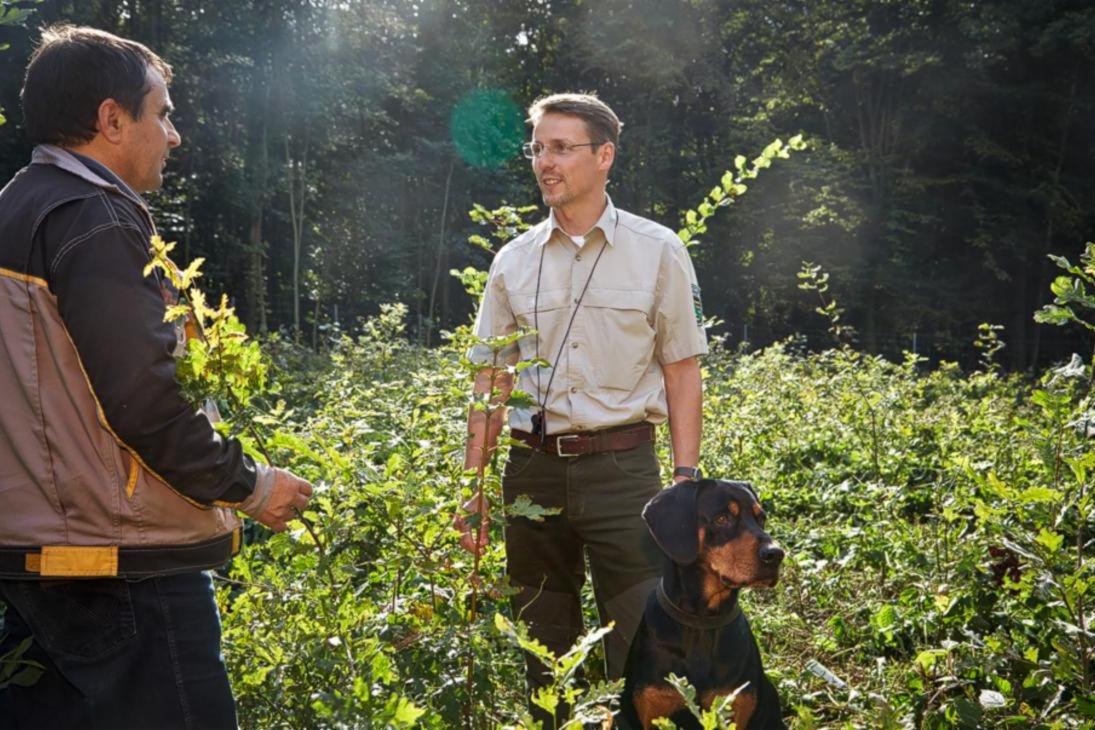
[{"x": 1050, "y": 539}]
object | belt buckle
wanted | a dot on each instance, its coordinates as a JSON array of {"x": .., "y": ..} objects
[{"x": 559, "y": 444}]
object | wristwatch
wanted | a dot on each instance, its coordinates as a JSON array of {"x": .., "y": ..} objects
[{"x": 691, "y": 472}]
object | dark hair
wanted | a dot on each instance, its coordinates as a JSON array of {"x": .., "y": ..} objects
[
  {"x": 601, "y": 122},
  {"x": 72, "y": 72}
]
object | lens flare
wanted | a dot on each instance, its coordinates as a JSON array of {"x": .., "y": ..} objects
[{"x": 486, "y": 128}]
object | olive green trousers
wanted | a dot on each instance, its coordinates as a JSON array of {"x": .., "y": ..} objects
[{"x": 601, "y": 498}]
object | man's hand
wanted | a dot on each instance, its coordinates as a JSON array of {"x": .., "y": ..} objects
[
  {"x": 290, "y": 493},
  {"x": 476, "y": 505}
]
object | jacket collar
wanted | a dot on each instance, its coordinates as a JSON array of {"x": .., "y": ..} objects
[{"x": 84, "y": 168}]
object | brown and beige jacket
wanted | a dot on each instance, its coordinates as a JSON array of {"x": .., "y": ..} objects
[{"x": 104, "y": 468}]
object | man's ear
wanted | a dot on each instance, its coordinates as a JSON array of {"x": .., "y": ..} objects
[
  {"x": 606, "y": 155},
  {"x": 671, "y": 517},
  {"x": 111, "y": 120}
]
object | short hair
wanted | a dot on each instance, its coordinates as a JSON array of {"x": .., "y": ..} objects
[
  {"x": 601, "y": 122},
  {"x": 72, "y": 72}
]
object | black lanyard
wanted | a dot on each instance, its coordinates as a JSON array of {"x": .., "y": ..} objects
[{"x": 539, "y": 419}]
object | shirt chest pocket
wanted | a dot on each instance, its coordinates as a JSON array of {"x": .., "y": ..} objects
[
  {"x": 548, "y": 313},
  {"x": 619, "y": 334}
]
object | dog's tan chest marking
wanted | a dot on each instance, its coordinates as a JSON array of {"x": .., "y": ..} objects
[
  {"x": 656, "y": 701},
  {"x": 742, "y": 706}
]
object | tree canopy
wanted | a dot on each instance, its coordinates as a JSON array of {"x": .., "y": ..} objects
[{"x": 332, "y": 150}]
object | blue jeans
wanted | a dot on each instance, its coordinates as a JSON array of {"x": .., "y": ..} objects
[{"x": 118, "y": 654}]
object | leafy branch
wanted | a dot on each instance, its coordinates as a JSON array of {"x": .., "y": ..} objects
[
  {"x": 733, "y": 185},
  {"x": 813, "y": 278},
  {"x": 221, "y": 361}
]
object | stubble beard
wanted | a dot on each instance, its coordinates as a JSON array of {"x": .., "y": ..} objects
[{"x": 557, "y": 200}]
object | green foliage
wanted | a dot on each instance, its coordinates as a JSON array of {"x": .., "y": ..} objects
[
  {"x": 593, "y": 704},
  {"x": 16, "y": 670},
  {"x": 812, "y": 278},
  {"x": 220, "y": 361},
  {"x": 10, "y": 15},
  {"x": 989, "y": 344},
  {"x": 715, "y": 717},
  {"x": 506, "y": 222},
  {"x": 1073, "y": 295},
  {"x": 732, "y": 186},
  {"x": 902, "y": 586}
]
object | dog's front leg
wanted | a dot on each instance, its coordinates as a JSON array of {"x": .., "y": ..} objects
[{"x": 656, "y": 700}]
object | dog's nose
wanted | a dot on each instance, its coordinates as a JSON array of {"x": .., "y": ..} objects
[{"x": 771, "y": 555}]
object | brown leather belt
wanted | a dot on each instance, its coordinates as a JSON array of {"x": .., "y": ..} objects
[{"x": 589, "y": 442}]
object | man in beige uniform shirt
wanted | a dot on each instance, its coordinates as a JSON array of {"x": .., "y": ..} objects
[{"x": 615, "y": 301}]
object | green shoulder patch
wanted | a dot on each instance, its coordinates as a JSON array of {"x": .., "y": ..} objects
[{"x": 697, "y": 304}]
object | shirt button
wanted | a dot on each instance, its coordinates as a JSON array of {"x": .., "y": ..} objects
[
  {"x": 573, "y": 344},
  {"x": 576, "y": 300},
  {"x": 577, "y": 257},
  {"x": 573, "y": 390}
]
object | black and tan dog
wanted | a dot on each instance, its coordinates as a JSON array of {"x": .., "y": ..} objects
[{"x": 712, "y": 533}]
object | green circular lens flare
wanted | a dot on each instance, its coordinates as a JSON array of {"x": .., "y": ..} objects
[{"x": 486, "y": 128}]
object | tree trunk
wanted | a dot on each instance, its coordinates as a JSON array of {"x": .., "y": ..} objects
[
  {"x": 258, "y": 177},
  {"x": 438, "y": 265},
  {"x": 298, "y": 190},
  {"x": 1051, "y": 212}
]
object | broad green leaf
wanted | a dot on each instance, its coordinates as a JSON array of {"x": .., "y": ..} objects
[
  {"x": 928, "y": 657},
  {"x": 1036, "y": 495},
  {"x": 523, "y": 506},
  {"x": 546, "y": 699},
  {"x": 1051, "y": 540},
  {"x": 28, "y": 676},
  {"x": 519, "y": 634}
]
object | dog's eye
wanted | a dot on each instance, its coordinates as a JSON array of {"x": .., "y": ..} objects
[{"x": 723, "y": 519}]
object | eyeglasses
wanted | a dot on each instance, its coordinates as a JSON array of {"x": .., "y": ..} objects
[{"x": 532, "y": 150}]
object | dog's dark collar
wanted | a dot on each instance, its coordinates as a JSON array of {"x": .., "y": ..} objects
[{"x": 679, "y": 615}]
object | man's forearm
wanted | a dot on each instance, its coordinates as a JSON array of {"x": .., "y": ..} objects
[
  {"x": 483, "y": 431},
  {"x": 684, "y": 394}
]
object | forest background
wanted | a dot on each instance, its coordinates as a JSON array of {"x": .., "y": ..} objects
[
  {"x": 332, "y": 150},
  {"x": 938, "y": 512}
]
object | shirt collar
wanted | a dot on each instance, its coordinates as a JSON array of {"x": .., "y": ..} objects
[{"x": 607, "y": 224}]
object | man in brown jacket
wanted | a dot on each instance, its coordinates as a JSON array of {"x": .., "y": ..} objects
[{"x": 116, "y": 494}]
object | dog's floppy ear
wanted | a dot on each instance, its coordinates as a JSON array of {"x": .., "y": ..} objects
[
  {"x": 752, "y": 490},
  {"x": 671, "y": 517}
]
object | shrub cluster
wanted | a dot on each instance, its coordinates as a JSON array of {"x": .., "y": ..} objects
[{"x": 936, "y": 523}]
